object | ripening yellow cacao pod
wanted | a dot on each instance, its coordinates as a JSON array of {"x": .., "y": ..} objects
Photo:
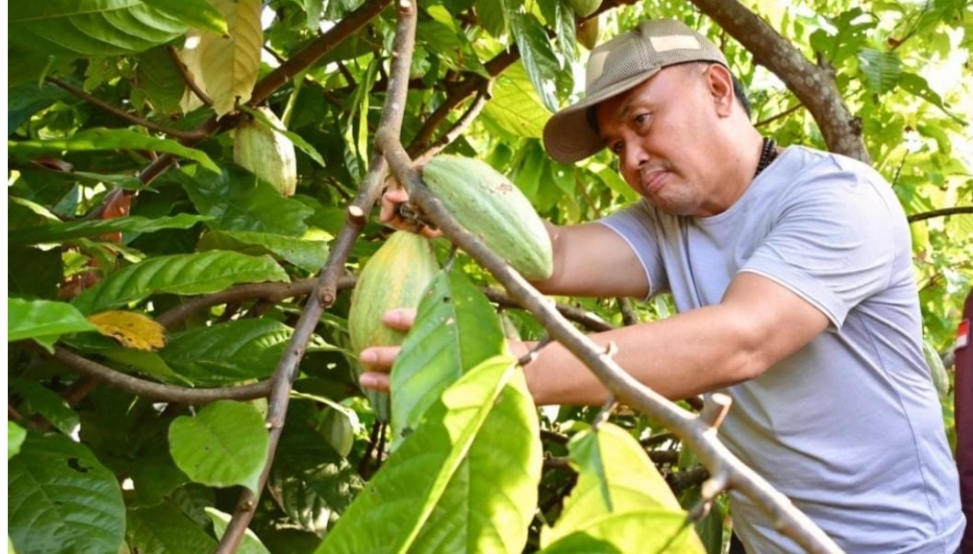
[
  {"x": 394, "y": 277},
  {"x": 589, "y": 32},
  {"x": 494, "y": 209},
  {"x": 266, "y": 153},
  {"x": 584, "y": 8}
]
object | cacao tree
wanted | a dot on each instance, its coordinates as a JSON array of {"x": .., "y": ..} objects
[{"x": 190, "y": 203}]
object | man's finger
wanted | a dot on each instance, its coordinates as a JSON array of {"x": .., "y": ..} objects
[
  {"x": 375, "y": 381},
  {"x": 400, "y": 319},
  {"x": 379, "y": 358}
]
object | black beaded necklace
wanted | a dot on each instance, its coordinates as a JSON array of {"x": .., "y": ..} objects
[{"x": 767, "y": 155}]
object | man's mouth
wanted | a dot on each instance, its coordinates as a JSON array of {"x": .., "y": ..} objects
[{"x": 653, "y": 180}]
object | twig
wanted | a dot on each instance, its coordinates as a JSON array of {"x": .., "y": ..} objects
[
  {"x": 187, "y": 77},
  {"x": 629, "y": 317},
  {"x": 534, "y": 352},
  {"x": 695, "y": 434},
  {"x": 370, "y": 191},
  {"x": 688, "y": 479},
  {"x": 780, "y": 115},
  {"x": 156, "y": 391},
  {"x": 131, "y": 118},
  {"x": 482, "y": 97},
  {"x": 79, "y": 389},
  {"x": 588, "y": 320},
  {"x": 940, "y": 213}
]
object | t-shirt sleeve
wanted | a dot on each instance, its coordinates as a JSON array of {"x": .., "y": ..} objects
[
  {"x": 637, "y": 226},
  {"x": 834, "y": 241}
]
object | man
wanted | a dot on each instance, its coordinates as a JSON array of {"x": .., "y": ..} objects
[{"x": 794, "y": 283}]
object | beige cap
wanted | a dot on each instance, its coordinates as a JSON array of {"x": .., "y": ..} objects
[{"x": 615, "y": 67}]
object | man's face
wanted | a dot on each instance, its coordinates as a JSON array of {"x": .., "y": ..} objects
[{"x": 662, "y": 133}]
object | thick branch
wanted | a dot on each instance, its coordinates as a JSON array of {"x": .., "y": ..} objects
[
  {"x": 390, "y": 122},
  {"x": 131, "y": 118},
  {"x": 940, "y": 213},
  {"x": 723, "y": 465},
  {"x": 156, "y": 391},
  {"x": 814, "y": 86}
]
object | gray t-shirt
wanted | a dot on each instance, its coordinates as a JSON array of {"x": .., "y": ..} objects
[{"x": 849, "y": 427}]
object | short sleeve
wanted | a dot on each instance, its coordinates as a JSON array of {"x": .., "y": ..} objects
[
  {"x": 834, "y": 241},
  {"x": 638, "y": 226}
]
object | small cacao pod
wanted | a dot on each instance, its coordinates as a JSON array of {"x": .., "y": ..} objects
[
  {"x": 266, "y": 153},
  {"x": 584, "y": 8},
  {"x": 494, "y": 209},
  {"x": 589, "y": 33},
  {"x": 395, "y": 277}
]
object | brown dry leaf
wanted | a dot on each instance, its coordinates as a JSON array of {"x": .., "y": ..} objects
[{"x": 132, "y": 330}]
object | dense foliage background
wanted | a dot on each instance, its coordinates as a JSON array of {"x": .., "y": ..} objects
[{"x": 154, "y": 284}]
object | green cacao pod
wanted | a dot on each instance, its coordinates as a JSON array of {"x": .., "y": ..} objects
[
  {"x": 395, "y": 277},
  {"x": 266, "y": 153},
  {"x": 494, "y": 209},
  {"x": 584, "y": 8}
]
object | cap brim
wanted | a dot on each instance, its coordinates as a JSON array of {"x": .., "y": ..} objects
[{"x": 568, "y": 137}]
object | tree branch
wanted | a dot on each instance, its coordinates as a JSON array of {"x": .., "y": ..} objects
[
  {"x": 941, "y": 213},
  {"x": 370, "y": 191},
  {"x": 190, "y": 82},
  {"x": 781, "y": 115},
  {"x": 131, "y": 118},
  {"x": 450, "y": 136},
  {"x": 155, "y": 391},
  {"x": 813, "y": 86},
  {"x": 727, "y": 469}
]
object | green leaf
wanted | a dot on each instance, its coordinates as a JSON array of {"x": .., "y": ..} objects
[
  {"x": 61, "y": 499},
  {"x": 15, "y": 437},
  {"x": 198, "y": 14},
  {"x": 228, "y": 352},
  {"x": 164, "y": 529},
  {"x": 882, "y": 70},
  {"x": 249, "y": 545},
  {"x": 494, "y": 16},
  {"x": 224, "y": 445},
  {"x": 298, "y": 141},
  {"x": 308, "y": 255},
  {"x": 42, "y": 400},
  {"x": 59, "y": 232},
  {"x": 43, "y": 320},
  {"x": 184, "y": 274},
  {"x": 490, "y": 501},
  {"x": 515, "y": 106},
  {"x": 238, "y": 201},
  {"x": 155, "y": 474},
  {"x": 388, "y": 514},
  {"x": 917, "y": 85},
  {"x": 33, "y": 272},
  {"x": 538, "y": 57},
  {"x": 645, "y": 530},
  {"x": 90, "y": 28},
  {"x": 616, "y": 482},
  {"x": 157, "y": 80},
  {"x": 99, "y": 139},
  {"x": 455, "y": 330}
]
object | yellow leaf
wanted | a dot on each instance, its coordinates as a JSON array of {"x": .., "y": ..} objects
[
  {"x": 229, "y": 63},
  {"x": 132, "y": 330}
]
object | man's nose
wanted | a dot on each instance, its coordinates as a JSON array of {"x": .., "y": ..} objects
[{"x": 635, "y": 156}]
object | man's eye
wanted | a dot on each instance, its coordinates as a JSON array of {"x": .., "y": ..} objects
[
  {"x": 616, "y": 148},
  {"x": 641, "y": 119}
]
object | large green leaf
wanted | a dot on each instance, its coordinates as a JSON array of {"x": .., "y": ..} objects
[
  {"x": 58, "y": 232},
  {"x": 15, "y": 437},
  {"x": 490, "y": 501},
  {"x": 90, "y": 28},
  {"x": 199, "y": 14},
  {"x": 882, "y": 70},
  {"x": 308, "y": 255},
  {"x": 238, "y": 201},
  {"x": 456, "y": 328},
  {"x": 617, "y": 485},
  {"x": 224, "y": 445},
  {"x": 33, "y": 272},
  {"x": 251, "y": 543},
  {"x": 49, "y": 404},
  {"x": 388, "y": 514},
  {"x": 184, "y": 274},
  {"x": 62, "y": 500},
  {"x": 515, "y": 106},
  {"x": 226, "y": 352},
  {"x": 43, "y": 320},
  {"x": 155, "y": 474},
  {"x": 538, "y": 57},
  {"x": 93, "y": 140},
  {"x": 164, "y": 529}
]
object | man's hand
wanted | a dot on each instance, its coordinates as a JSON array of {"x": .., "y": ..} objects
[
  {"x": 396, "y": 212},
  {"x": 378, "y": 360}
]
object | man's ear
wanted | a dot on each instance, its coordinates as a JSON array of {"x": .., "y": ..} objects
[{"x": 720, "y": 83}]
